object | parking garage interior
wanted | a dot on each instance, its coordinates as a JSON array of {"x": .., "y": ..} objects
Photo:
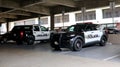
[{"x": 41, "y": 54}]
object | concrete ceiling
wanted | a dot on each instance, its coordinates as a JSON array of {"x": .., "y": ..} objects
[{"x": 12, "y": 10}]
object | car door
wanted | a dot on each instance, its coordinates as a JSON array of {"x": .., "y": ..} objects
[
  {"x": 45, "y": 33},
  {"x": 90, "y": 34},
  {"x": 36, "y": 32},
  {"x": 97, "y": 34}
]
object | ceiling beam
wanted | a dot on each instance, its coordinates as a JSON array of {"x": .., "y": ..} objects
[
  {"x": 7, "y": 16},
  {"x": 117, "y": 1},
  {"x": 22, "y": 13},
  {"x": 69, "y": 3},
  {"x": 92, "y": 3},
  {"x": 9, "y": 4},
  {"x": 29, "y": 3},
  {"x": 2, "y": 20},
  {"x": 16, "y": 6},
  {"x": 16, "y": 12},
  {"x": 37, "y": 9}
]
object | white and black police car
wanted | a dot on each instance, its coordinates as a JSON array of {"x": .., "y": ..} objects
[
  {"x": 26, "y": 34},
  {"x": 77, "y": 36}
]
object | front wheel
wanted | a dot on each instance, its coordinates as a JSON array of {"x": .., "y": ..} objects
[
  {"x": 77, "y": 46},
  {"x": 103, "y": 41}
]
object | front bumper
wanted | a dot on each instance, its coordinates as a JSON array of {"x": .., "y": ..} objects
[{"x": 60, "y": 40}]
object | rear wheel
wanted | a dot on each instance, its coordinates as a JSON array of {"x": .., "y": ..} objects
[
  {"x": 19, "y": 42},
  {"x": 4, "y": 40},
  {"x": 42, "y": 41},
  {"x": 77, "y": 46},
  {"x": 103, "y": 41},
  {"x": 30, "y": 40}
]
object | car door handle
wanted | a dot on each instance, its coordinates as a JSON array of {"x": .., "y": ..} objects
[
  {"x": 42, "y": 32},
  {"x": 34, "y": 32}
]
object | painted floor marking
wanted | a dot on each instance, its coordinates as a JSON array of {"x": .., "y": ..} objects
[{"x": 112, "y": 57}]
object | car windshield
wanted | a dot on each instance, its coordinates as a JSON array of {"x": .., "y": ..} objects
[{"x": 75, "y": 28}]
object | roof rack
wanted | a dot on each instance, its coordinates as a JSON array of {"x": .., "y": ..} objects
[{"x": 85, "y": 23}]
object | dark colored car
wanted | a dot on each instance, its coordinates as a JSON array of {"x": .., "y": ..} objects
[
  {"x": 26, "y": 34},
  {"x": 113, "y": 31},
  {"x": 18, "y": 34},
  {"x": 77, "y": 36}
]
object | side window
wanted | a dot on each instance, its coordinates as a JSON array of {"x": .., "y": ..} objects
[
  {"x": 88, "y": 28},
  {"x": 43, "y": 28},
  {"x": 80, "y": 28},
  {"x": 71, "y": 29},
  {"x": 36, "y": 28},
  {"x": 91, "y": 28},
  {"x": 94, "y": 28}
]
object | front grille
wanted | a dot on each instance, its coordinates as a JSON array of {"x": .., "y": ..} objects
[{"x": 60, "y": 39}]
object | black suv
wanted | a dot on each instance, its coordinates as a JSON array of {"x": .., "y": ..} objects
[
  {"x": 77, "y": 36},
  {"x": 26, "y": 34}
]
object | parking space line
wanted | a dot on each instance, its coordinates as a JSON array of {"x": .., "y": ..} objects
[{"x": 112, "y": 57}]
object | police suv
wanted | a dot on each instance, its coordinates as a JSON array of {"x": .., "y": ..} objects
[
  {"x": 26, "y": 34},
  {"x": 77, "y": 36}
]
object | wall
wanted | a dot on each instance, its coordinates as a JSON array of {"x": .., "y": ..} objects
[{"x": 114, "y": 38}]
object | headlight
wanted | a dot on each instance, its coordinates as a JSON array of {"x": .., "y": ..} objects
[
  {"x": 26, "y": 35},
  {"x": 56, "y": 43},
  {"x": 14, "y": 34},
  {"x": 72, "y": 35}
]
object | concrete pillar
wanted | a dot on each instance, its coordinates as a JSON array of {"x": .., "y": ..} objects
[
  {"x": 49, "y": 22},
  {"x": 83, "y": 9},
  {"x": 99, "y": 15},
  {"x": 39, "y": 22},
  {"x": 0, "y": 27},
  {"x": 63, "y": 13},
  {"x": 52, "y": 21},
  {"x": 11, "y": 25},
  {"x": 36, "y": 21},
  {"x": 72, "y": 21},
  {"x": 7, "y": 26}
]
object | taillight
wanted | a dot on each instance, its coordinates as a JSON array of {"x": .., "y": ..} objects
[{"x": 21, "y": 34}]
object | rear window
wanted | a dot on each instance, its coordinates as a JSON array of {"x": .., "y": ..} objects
[{"x": 22, "y": 28}]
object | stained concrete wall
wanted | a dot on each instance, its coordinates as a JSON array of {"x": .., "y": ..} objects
[{"x": 114, "y": 38}]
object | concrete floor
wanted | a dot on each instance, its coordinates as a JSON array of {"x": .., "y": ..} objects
[
  {"x": 109, "y": 52},
  {"x": 41, "y": 55}
]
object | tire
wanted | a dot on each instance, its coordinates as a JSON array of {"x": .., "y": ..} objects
[
  {"x": 103, "y": 41},
  {"x": 4, "y": 40},
  {"x": 30, "y": 40},
  {"x": 43, "y": 41},
  {"x": 19, "y": 42},
  {"x": 77, "y": 46}
]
